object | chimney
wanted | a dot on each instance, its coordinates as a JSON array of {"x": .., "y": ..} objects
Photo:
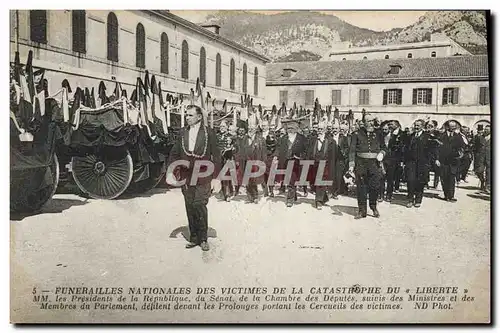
[
  {"x": 214, "y": 28},
  {"x": 288, "y": 72},
  {"x": 395, "y": 68}
]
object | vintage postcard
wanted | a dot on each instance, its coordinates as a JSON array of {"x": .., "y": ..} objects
[{"x": 250, "y": 166}]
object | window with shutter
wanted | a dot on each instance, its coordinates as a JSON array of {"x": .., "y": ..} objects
[
  {"x": 218, "y": 70},
  {"x": 422, "y": 96},
  {"x": 392, "y": 96},
  {"x": 245, "y": 78},
  {"x": 140, "y": 46},
  {"x": 309, "y": 100},
  {"x": 336, "y": 97},
  {"x": 283, "y": 97},
  {"x": 164, "y": 53},
  {"x": 450, "y": 96},
  {"x": 79, "y": 31},
  {"x": 256, "y": 82},
  {"x": 455, "y": 95},
  {"x": 38, "y": 26},
  {"x": 185, "y": 60},
  {"x": 484, "y": 95},
  {"x": 112, "y": 37},
  {"x": 364, "y": 97},
  {"x": 429, "y": 96},
  {"x": 232, "y": 71},
  {"x": 203, "y": 65}
]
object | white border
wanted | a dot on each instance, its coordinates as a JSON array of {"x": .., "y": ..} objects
[{"x": 201, "y": 4}]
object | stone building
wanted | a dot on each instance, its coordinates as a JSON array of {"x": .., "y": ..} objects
[
  {"x": 406, "y": 89},
  {"x": 86, "y": 47},
  {"x": 439, "y": 46}
]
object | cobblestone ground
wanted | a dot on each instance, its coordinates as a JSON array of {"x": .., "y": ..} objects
[{"x": 136, "y": 241}]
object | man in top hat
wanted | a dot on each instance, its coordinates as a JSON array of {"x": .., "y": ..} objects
[
  {"x": 291, "y": 147},
  {"x": 449, "y": 154},
  {"x": 251, "y": 148},
  {"x": 321, "y": 148},
  {"x": 196, "y": 142},
  {"x": 365, "y": 154}
]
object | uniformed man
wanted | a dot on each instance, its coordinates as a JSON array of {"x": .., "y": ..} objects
[{"x": 365, "y": 154}]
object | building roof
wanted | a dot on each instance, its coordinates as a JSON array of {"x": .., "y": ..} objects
[
  {"x": 380, "y": 48},
  {"x": 192, "y": 26},
  {"x": 456, "y": 68}
]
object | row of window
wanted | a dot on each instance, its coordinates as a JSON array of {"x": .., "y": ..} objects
[
  {"x": 410, "y": 55},
  {"x": 38, "y": 33},
  {"x": 421, "y": 96}
]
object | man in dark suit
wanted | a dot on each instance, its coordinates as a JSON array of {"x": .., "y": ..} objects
[
  {"x": 482, "y": 162},
  {"x": 365, "y": 154},
  {"x": 339, "y": 166},
  {"x": 393, "y": 143},
  {"x": 449, "y": 154},
  {"x": 252, "y": 147},
  {"x": 196, "y": 142},
  {"x": 291, "y": 147},
  {"x": 322, "y": 148},
  {"x": 420, "y": 154}
]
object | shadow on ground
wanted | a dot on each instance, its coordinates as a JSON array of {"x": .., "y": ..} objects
[
  {"x": 184, "y": 231},
  {"x": 55, "y": 205},
  {"x": 480, "y": 196},
  {"x": 340, "y": 210}
]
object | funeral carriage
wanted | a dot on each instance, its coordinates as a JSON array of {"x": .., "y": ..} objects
[
  {"x": 115, "y": 144},
  {"x": 34, "y": 167}
]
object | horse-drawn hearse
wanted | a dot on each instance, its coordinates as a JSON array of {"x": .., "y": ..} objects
[{"x": 34, "y": 168}]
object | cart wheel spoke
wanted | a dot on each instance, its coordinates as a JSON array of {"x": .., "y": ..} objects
[{"x": 103, "y": 177}]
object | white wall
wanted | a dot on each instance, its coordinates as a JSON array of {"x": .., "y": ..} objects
[
  {"x": 468, "y": 110},
  {"x": 92, "y": 67}
]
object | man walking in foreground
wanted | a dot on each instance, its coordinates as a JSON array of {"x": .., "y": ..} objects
[
  {"x": 366, "y": 152},
  {"x": 196, "y": 142},
  {"x": 420, "y": 155},
  {"x": 449, "y": 154}
]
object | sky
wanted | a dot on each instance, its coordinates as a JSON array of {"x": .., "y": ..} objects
[{"x": 374, "y": 20}]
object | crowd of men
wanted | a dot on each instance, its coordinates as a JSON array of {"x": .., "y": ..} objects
[{"x": 377, "y": 156}]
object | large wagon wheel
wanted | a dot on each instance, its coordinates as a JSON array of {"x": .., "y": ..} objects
[
  {"x": 103, "y": 176},
  {"x": 28, "y": 201},
  {"x": 156, "y": 173}
]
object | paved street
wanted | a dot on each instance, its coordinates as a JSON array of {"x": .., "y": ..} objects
[{"x": 128, "y": 242}]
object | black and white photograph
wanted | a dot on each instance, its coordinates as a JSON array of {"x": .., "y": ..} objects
[{"x": 250, "y": 166}]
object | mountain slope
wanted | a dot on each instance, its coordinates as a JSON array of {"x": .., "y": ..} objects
[{"x": 307, "y": 35}]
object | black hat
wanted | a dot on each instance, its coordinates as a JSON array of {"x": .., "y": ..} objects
[{"x": 242, "y": 124}]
